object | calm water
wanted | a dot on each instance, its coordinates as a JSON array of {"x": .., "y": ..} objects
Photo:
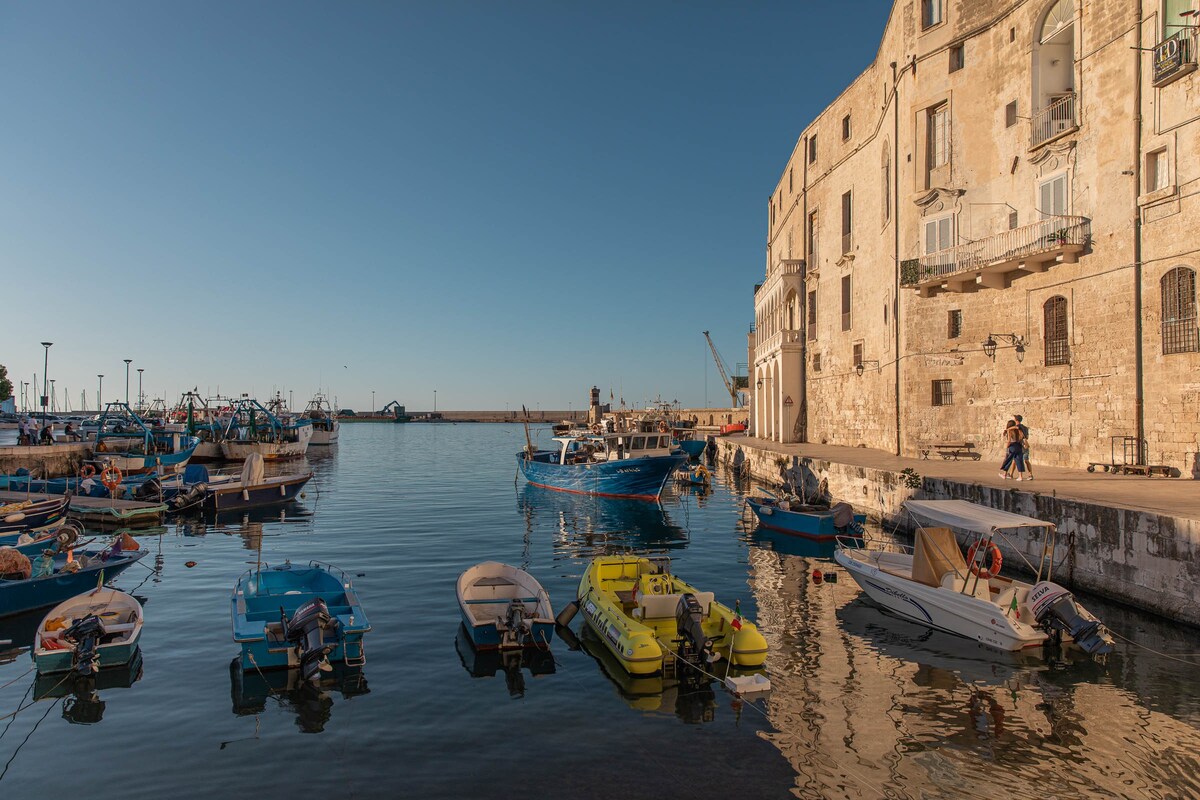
[{"x": 863, "y": 705}]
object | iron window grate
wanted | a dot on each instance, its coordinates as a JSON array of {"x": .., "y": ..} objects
[{"x": 943, "y": 393}]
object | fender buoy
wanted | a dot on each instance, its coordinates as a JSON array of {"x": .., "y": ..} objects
[
  {"x": 111, "y": 477},
  {"x": 993, "y": 569},
  {"x": 88, "y": 471}
]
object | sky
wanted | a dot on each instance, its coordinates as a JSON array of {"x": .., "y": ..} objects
[{"x": 502, "y": 202}]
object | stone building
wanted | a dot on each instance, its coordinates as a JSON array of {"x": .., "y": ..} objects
[{"x": 997, "y": 217}]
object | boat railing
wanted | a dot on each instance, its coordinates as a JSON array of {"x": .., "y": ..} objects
[{"x": 331, "y": 569}]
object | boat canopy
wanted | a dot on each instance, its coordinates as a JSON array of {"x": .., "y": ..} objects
[{"x": 968, "y": 516}]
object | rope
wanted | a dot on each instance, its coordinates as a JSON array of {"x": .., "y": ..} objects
[
  {"x": 1173, "y": 657},
  {"x": 27, "y": 705},
  {"x": 26, "y": 739},
  {"x": 14, "y": 680}
]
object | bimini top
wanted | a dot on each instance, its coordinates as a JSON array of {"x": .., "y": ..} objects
[{"x": 970, "y": 516}]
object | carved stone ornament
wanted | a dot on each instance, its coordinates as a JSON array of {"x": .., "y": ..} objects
[
  {"x": 1054, "y": 153},
  {"x": 935, "y": 199}
]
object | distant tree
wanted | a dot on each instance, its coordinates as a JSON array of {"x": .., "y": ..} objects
[{"x": 5, "y": 384}]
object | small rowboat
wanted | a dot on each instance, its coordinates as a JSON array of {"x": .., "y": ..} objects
[
  {"x": 91, "y": 631},
  {"x": 819, "y": 522},
  {"x": 504, "y": 607}
]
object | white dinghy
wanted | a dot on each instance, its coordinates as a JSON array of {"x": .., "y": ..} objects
[{"x": 933, "y": 584}]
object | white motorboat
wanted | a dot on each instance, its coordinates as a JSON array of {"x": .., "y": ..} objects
[
  {"x": 933, "y": 584},
  {"x": 325, "y": 423}
]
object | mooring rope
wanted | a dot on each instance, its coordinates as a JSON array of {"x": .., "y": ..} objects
[{"x": 1173, "y": 657}]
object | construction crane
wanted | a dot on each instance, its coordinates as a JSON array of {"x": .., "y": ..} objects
[{"x": 733, "y": 385}]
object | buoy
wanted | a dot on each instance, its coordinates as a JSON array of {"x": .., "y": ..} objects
[
  {"x": 567, "y": 613},
  {"x": 817, "y": 576},
  {"x": 189, "y": 564}
]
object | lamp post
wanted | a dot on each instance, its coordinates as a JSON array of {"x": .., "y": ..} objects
[
  {"x": 53, "y": 397},
  {"x": 372, "y": 402},
  {"x": 45, "y": 366},
  {"x": 1018, "y": 342},
  {"x": 141, "y": 397},
  {"x": 128, "y": 361},
  {"x": 435, "y": 401},
  {"x": 100, "y": 395}
]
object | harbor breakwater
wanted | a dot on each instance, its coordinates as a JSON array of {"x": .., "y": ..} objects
[
  {"x": 50, "y": 461},
  {"x": 1146, "y": 559}
]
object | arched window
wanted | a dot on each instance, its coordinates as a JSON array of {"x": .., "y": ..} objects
[
  {"x": 1053, "y": 89},
  {"x": 1054, "y": 331},
  {"x": 790, "y": 305},
  {"x": 1179, "y": 332}
]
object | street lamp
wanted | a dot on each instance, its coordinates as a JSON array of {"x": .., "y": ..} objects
[
  {"x": 372, "y": 401},
  {"x": 141, "y": 397},
  {"x": 1018, "y": 342},
  {"x": 45, "y": 366},
  {"x": 861, "y": 366},
  {"x": 100, "y": 395},
  {"x": 128, "y": 361}
]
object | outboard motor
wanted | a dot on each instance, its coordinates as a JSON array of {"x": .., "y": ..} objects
[
  {"x": 843, "y": 519},
  {"x": 1055, "y": 610},
  {"x": 191, "y": 497},
  {"x": 695, "y": 646},
  {"x": 85, "y": 635},
  {"x": 516, "y": 623},
  {"x": 306, "y": 631}
]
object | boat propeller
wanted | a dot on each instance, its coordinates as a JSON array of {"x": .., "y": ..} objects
[
  {"x": 695, "y": 646},
  {"x": 306, "y": 631},
  {"x": 85, "y": 635},
  {"x": 1056, "y": 611}
]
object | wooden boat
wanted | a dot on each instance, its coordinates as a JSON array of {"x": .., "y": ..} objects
[
  {"x": 23, "y": 512},
  {"x": 643, "y": 613},
  {"x": 213, "y": 493},
  {"x": 694, "y": 476},
  {"x": 207, "y": 422},
  {"x": 504, "y": 607},
  {"x": 252, "y": 428},
  {"x": 325, "y": 425},
  {"x": 634, "y": 465},
  {"x": 125, "y": 441},
  {"x": 931, "y": 583},
  {"x": 89, "y": 632},
  {"x": 812, "y": 520},
  {"x": 53, "y": 581},
  {"x": 291, "y": 616}
]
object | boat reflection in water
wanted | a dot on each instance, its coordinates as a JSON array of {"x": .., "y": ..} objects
[
  {"x": 311, "y": 702},
  {"x": 511, "y": 663},
  {"x": 791, "y": 545},
  {"x": 247, "y": 524},
  {"x": 82, "y": 704},
  {"x": 589, "y": 526}
]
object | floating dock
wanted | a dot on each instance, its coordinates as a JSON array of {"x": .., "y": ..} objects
[{"x": 102, "y": 512}]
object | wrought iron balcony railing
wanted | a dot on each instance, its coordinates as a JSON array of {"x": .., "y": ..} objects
[{"x": 1060, "y": 116}]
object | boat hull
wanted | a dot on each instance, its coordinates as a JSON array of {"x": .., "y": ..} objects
[
  {"x": 17, "y": 597},
  {"x": 138, "y": 464},
  {"x": 208, "y": 451},
  {"x": 322, "y": 437},
  {"x": 272, "y": 492},
  {"x": 812, "y": 525},
  {"x": 693, "y": 447},
  {"x": 270, "y": 451},
  {"x": 636, "y": 478}
]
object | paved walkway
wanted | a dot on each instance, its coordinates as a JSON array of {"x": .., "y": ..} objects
[{"x": 1176, "y": 497}]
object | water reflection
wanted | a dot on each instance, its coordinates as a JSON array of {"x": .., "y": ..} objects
[
  {"x": 82, "y": 704},
  {"x": 312, "y": 703},
  {"x": 586, "y": 526},
  {"x": 791, "y": 545},
  {"x": 511, "y": 663}
]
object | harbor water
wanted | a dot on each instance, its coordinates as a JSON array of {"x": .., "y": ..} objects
[{"x": 863, "y": 705}]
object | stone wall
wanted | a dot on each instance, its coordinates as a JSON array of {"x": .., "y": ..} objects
[
  {"x": 50, "y": 461},
  {"x": 1147, "y": 560}
]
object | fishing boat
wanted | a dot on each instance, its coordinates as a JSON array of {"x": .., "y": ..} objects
[
  {"x": 504, "y": 607},
  {"x": 88, "y": 632},
  {"x": 252, "y": 428},
  {"x": 215, "y": 492},
  {"x": 325, "y": 423},
  {"x": 693, "y": 476},
  {"x": 20, "y": 513},
  {"x": 205, "y": 421},
  {"x": 790, "y": 514},
  {"x": 291, "y": 616},
  {"x": 125, "y": 442},
  {"x": 57, "y": 577},
  {"x": 62, "y": 535},
  {"x": 644, "y": 614},
  {"x": 634, "y": 465},
  {"x": 933, "y": 584}
]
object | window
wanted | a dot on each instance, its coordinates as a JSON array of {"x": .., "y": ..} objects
[
  {"x": 931, "y": 13},
  {"x": 1052, "y": 196},
  {"x": 847, "y": 223},
  {"x": 939, "y": 234},
  {"x": 1010, "y": 114},
  {"x": 1179, "y": 329},
  {"x": 790, "y": 176},
  {"x": 813, "y": 229},
  {"x": 1173, "y": 20},
  {"x": 812, "y": 314},
  {"x": 885, "y": 194},
  {"x": 816, "y": 362},
  {"x": 954, "y": 323},
  {"x": 943, "y": 393},
  {"x": 1012, "y": 220},
  {"x": 771, "y": 204},
  {"x": 1055, "y": 331},
  {"x": 812, "y": 149},
  {"x": 858, "y": 359},
  {"x": 845, "y": 127},
  {"x": 957, "y": 57},
  {"x": 938, "y": 128},
  {"x": 845, "y": 302},
  {"x": 1157, "y": 173}
]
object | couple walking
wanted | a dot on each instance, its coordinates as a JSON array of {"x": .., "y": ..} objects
[{"x": 1016, "y": 440}]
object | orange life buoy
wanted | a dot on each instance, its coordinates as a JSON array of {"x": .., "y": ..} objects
[
  {"x": 662, "y": 427},
  {"x": 88, "y": 471},
  {"x": 993, "y": 568},
  {"x": 111, "y": 477}
]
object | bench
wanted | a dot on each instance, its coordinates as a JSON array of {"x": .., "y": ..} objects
[{"x": 954, "y": 450}]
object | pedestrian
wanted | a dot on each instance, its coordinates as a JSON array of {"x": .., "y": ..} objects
[
  {"x": 1025, "y": 442},
  {"x": 1015, "y": 450}
]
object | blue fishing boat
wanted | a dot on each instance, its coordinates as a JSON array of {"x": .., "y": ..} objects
[
  {"x": 20, "y": 513},
  {"x": 126, "y": 442},
  {"x": 291, "y": 616},
  {"x": 62, "y": 535},
  {"x": 131, "y": 486},
  {"x": 818, "y": 522},
  {"x": 504, "y": 608},
  {"x": 55, "y": 578},
  {"x": 634, "y": 465}
]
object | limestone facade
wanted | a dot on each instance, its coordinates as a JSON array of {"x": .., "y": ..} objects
[{"x": 997, "y": 217}]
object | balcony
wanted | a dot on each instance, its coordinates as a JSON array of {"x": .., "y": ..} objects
[
  {"x": 990, "y": 262},
  {"x": 777, "y": 340},
  {"x": 1059, "y": 117}
]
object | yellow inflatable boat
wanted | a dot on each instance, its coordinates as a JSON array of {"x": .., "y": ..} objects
[{"x": 641, "y": 612}]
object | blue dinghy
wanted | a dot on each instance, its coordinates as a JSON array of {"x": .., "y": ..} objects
[
  {"x": 813, "y": 521},
  {"x": 20, "y": 513},
  {"x": 291, "y": 616},
  {"x": 90, "y": 567},
  {"x": 634, "y": 465},
  {"x": 504, "y": 607}
]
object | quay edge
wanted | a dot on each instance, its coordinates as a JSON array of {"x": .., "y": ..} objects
[{"x": 1145, "y": 559}]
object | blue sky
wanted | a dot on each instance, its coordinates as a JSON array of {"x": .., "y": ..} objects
[{"x": 505, "y": 202}]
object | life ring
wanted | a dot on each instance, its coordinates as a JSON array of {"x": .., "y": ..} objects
[
  {"x": 88, "y": 471},
  {"x": 993, "y": 568},
  {"x": 111, "y": 477},
  {"x": 662, "y": 427}
]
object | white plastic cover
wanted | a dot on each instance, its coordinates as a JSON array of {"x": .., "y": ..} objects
[{"x": 969, "y": 516}]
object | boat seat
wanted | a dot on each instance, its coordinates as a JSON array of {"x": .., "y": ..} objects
[
  {"x": 496, "y": 581},
  {"x": 659, "y": 606},
  {"x": 505, "y": 600}
]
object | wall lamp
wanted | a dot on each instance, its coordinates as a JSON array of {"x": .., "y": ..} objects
[
  {"x": 861, "y": 366},
  {"x": 1018, "y": 342}
]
